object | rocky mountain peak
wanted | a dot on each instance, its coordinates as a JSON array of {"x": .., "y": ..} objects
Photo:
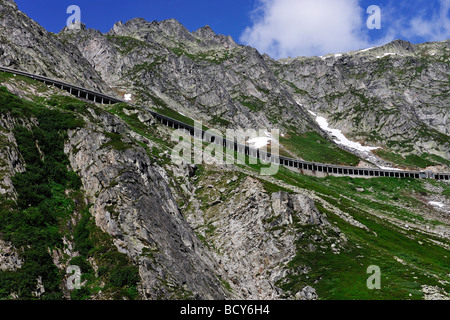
[
  {"x": 76, "y": 26},
  {"x": 137, "y": 23},
  {"x": 115, "y": 30},
  {"x": 396, "y": 47},
  {"x": 401, "y": 46},
  {"x": 143, "y": 29},
  {"x": 205, "y": 32},
  {"x": 11, "y": 3},
  {"x": 131, "y": 26},
  {"x": 174, "y": 28}
]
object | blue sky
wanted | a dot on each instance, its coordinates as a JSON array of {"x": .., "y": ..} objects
[
  {"x": 228, "y": 17},
  {"x": 280, "y": 28}
]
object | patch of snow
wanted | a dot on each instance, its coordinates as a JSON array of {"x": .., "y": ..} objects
[
  {"x": 260, "y": 142},
  {"x": 389, "y": 168},
  {"x": 388, "y": 54},
  {"x": 338, "y": 55},
  {"x": 127, "y": 97},
  {"x": 339, "y": 136},
  {"x": 436, "y": 204},
  {"x": 364, "y": 50}
]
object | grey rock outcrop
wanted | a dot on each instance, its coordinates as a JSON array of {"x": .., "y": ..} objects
[
  {"x": 434, "y": 293},
  {"x": 11, "y": 161},
  {"x": 307, "y": 293},
  {"x": 254, "y": 235},
  {"x": 201, "y": 74},
  {"x": 25, "y": 45},
  {"x": 133, "y": 203},
  {"x": 9, "y": 258},
  {"x": 304, "y": 206},
  {"x": 391, "y": 96}
]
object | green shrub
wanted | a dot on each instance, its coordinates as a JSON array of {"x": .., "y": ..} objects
[
  {"x": 124, "y": 276},
  {"x": 80, "y": 294},
  {"x": 82, "y": 241},
  {"x": 81, "y": 262},
  {"x": 33, "y": 225}
]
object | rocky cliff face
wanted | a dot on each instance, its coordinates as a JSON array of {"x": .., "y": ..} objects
[
  {"x": 251, "y": 232},
  {"x": 9, "y": 258},
  {"x": 200, "y": 74},
  {"x": 25, "y": 45},
  {"x": 391, "y": 97},
  {"x": 133, "y": 203},
  {"x": 11, "y": 161},
  {"x": 394, "y": 96}
]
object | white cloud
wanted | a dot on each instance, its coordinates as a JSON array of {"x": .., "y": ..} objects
[
  {"x": 284, "y": 28},
  {"x": 436, "y": 28}
]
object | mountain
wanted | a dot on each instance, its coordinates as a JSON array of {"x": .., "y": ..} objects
[
  {"x": 93, "y": 186},
  {"x": 204, "y": 75},
  {"x": 394, "y": 96},
  {"x": 28, "y": 46}
]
